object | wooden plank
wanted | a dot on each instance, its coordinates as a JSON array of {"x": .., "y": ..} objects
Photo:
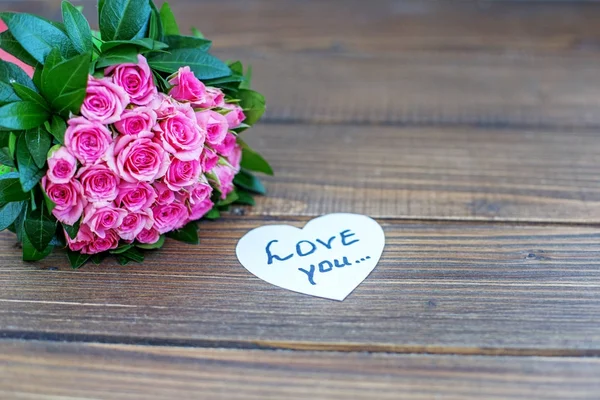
[
  {"x": 378, "y": 26},
  {"x": 459, "y": 173},
  {"x": 440, "y": 287},
  {"x": 41, "y": 370},
  {"x": 410, "y": 62}
]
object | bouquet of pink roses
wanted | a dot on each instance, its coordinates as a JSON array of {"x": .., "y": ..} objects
[{"x": 122, "y": 136}]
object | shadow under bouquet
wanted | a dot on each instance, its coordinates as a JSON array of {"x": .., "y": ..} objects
[{"x": 123, "y": 136}]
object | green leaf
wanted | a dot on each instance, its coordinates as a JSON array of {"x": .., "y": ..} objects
[
  {"x": 187, "y": 234},
  {"x": 168, "y": 20},
  {"x": 123, "y": 19},
  {"x": 12, "y": 144},
  {"x": 143, "y": 32},
  {"x": 30, "y": 253},
  {"x": 161, "y": 82},
  {"x": 197, "y": 33},
  {"x": 246, "y": 180},
  {"x": 98, "y": 258},
  {"x": 11, "y": 73},
  {"x": 247, "y": 82},
  {"x": 72, "y": 231},
  {"x": 76, "y": 259},
  {"x": 236, "y": 67},
  {"x": 22, "y": 115},
  {"x": 204, "y": 65},
  {"x": 122, "y": 260},
  {"x": 7, "y": 94},
  {"x": 132, "y": 254},
  {"x": 6, "y": 159},
  {"x": 40, "y": 228},
  {"x": 38, "y": 143},
  {"x": 230, "y": 199},
  {"x": 231, "y": 82},
  {"x": 9, "y": 213},
  {"x": 5, "y": 170},
  {"x": 50, "y": 205},
  {"x": 119, "y": 55},
  {"x": 152, "y": 246},
  {"x": 38, "y": 36},
  {"x": 253, "y": 104},
  {"x": 245, "y": 198},
  {"x": 27, "y": 94},
  {"x": 29, "y": 173},
  {"x": 121, "y": 249},
  {"x": 54, "y": 58},
  {"x": 9, "y": 44},
  {"x": 57, "y": 128},
  {"x": 253, "y": 161},
  {"x": 155, "y": 28},
  {"x": 213, "y": 214},
  {"x": 18, "y": 224},
  {"x": 78, "y": 28},
  {"x": 37, "y": 76},
  {"x": 64, "y": 85},
  {"x": 187, "y": 42},
  {"x": 147, "y": 43}
]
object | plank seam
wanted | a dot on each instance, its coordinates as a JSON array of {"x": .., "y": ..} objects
[{"x": 296, "y": 346}]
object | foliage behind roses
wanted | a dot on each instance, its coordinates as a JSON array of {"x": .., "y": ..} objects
[{"x": 85, "y": 118}]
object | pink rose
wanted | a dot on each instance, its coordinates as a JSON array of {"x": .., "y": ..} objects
[
  {"x": 182, "y": 174},
  {"x": 148, "y": 236},
  {"x": 104, "y": 101},
  {"x": 225, "y": 174},
  {"x": 215, "y": 125},
  {"x": 214, "y": 98},
  {"x": 169, "y": 217},
  {"x": 182, "y": 137},
  {"x": 208, "y": 159},
  {"x": 103, "y": 217},
  {"x": 236, "y": 116},
  {"x": 235, "y": 158},
  {"x": 136, "y": 80},
  {"x": 109, "y": 241},
  {"x": 136, "y": 120},
  {"x": 186, "y": 87},
  {"x": 99, "y": 183},
  {"x": 165, "y": 106},
  {"x": 138, "y": 158},
  {"x": 217, "y": 96},
  {"x": 199, "y": 192},
  {"x": 226, "y": 147},
  {"x": 199, "y": 210},
  {"x": 61, "y": 166},
  {"x": 134, "y": 223},
  {"x": 199, "y": 202},
  {"x": 68, "y": 199},
  {"x": 165, "y": 195},
  {"x": 83, "y": 238},
  {"x": 135, "y": 196},
  {"x": 86, "y": 140}
]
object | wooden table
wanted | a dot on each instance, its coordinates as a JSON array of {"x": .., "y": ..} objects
[{"x": 469, "y": 130}]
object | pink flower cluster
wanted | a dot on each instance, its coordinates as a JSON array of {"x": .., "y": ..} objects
[{"x": 139, "y": 163}]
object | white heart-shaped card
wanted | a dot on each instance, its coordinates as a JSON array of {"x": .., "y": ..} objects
[{"x": 327, "y": 258}]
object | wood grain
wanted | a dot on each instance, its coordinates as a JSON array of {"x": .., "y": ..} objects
[
  {"x": 40, "y": 370},
  {"x": 449, "y": 287},
  {"x": 394, "y": 62},
  {"x": 431, "y": 173}
]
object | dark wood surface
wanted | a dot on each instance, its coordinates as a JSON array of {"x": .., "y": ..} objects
[
  {"x": 468, "y": 129},
  {"x": 98, "y": 371}
]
